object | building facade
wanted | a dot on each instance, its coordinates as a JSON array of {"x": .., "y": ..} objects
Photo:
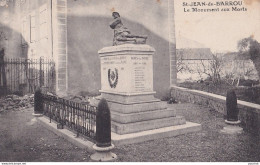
[{"x": 72, "y": 32}]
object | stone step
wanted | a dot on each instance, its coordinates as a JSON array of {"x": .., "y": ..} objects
[
  {"x": 134, "y": 108},
  {"x": 146, "y": 125},
  {"x": 139, "y": 98},
  {"x": 159, "y": 133},
  {"x": 142, "y": 116}
]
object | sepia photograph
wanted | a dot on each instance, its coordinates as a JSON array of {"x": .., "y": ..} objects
[{"x": 129, "y": 81}]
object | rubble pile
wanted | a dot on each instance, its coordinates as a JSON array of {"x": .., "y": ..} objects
[
  {"x": 14, "y": 102},
  {"x": 78, "y": 99}
]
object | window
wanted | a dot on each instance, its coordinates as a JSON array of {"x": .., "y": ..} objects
[
  {"x": 43, "y": 22},
  {"x": 24, "y": 31}
]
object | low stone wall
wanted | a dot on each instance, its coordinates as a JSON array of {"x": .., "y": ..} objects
[{"x": 249, "y": 113}]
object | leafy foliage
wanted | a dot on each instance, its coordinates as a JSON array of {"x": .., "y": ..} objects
[{"x": 250, "y": 47}]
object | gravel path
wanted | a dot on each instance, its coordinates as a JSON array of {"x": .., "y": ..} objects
[{"x": 24, "y": 140}]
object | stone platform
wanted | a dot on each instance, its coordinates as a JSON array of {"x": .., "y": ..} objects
[
  {"x": 117, "y": 139},
  {"x": 153, "y": 134}
]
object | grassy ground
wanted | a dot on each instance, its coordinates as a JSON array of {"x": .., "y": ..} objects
[{"x": 24, "y": 140}]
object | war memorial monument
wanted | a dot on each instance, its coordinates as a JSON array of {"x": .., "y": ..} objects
[{"x": 127, "y": 85}]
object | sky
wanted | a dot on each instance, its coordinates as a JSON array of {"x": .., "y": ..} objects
[{"x": 219, "y": 31}]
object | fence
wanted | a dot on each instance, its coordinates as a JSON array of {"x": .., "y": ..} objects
[
  {"x": 24, "y": 75},
  {"x": 78, "y": 117}
]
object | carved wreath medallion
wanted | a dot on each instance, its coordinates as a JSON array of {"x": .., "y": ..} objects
[{"x": 113, "y": 77}]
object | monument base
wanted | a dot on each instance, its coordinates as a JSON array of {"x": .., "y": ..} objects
[{"x": 136, "y": 113}]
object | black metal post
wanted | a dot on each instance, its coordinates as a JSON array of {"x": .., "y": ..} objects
[
  {"x": 38, "y": 101},
  {"x": 103, "y": 125},
  {"x": 41, "y": 72},
  {"x": 50, "y": 113},
  {"x": 232, "y": 114},
  {"x": 3, "y": 80},
  {"x": 103, "y": 144},
  {"x": 231, "y": 104}
]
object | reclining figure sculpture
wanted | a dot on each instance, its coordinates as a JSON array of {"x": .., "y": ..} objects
[{"x": 122, "y": 35}]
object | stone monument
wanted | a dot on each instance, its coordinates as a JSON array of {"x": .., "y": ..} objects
[{"x": 127, "y": 85}]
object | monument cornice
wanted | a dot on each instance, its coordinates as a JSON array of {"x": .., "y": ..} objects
[
  {"x": 125, "y": 53},
  {"x": 141, "y": 49}
]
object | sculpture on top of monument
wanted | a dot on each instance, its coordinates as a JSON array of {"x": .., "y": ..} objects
[{"x": 122, "y": 34}]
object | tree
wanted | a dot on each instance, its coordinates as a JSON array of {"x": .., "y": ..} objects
[
  {"x": 212, "y": 68},
  {"x": 215, "y": 69},
  {"x": 250, "y": 48},
  {"x": 182, "y": 66}
]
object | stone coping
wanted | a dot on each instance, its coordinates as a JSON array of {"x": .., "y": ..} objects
[
  {"x": 121, "y": 139},
  {"x": 223, "y": 98},
  {"x": 66, "y": 134},
  {"x": 127, "y": 47}
]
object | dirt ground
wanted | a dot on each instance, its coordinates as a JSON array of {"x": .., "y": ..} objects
[
  {"x": 207, "y": 145},
  {"x": 25, "y": 140}
]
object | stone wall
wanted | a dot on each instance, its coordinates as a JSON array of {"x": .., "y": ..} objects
[
  {"x": 59, "y": 20},
  {"x": 249, "y": 113}
]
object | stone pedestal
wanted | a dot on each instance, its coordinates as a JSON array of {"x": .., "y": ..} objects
[
  {"x": 127, "y": 70},
  {"x": 232, "y": 127},
  {"x": 127, "y": 85},
  {"x": 103, "y": 154}
]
